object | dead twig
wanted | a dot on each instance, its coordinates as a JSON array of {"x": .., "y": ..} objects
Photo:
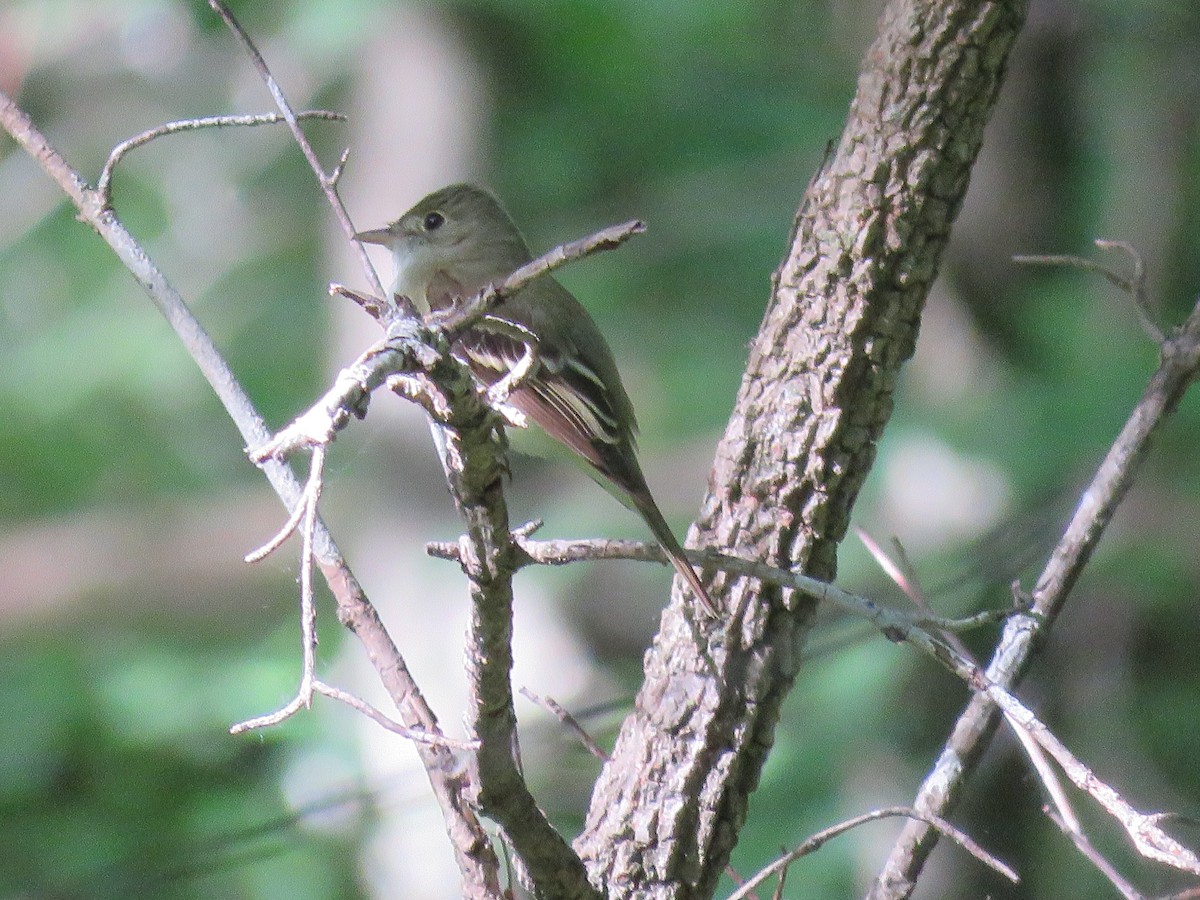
[
  {"x": 413, "y": 734},
  {"x": 559, "y": 712},
  {"x": 1150, "y": 840},
  {"x": 104, "y": 183},
  {"x": 415, "y": 348},
  {"x": 824, "y": 836},
  {"x": 1134, "y": 286},
  {"x": 886, "y": 619},
  {"x": 308, "y": 606},
  {"x": 326, "y": 180},
  {"x": 943, "y": 786},
  {"x": 1092, "y": 855}
]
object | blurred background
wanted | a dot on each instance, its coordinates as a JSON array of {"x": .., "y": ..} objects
[{"x": 132, "y": 635}]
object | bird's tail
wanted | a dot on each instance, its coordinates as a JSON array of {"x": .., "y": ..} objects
[{"x": 666, "y": 538}]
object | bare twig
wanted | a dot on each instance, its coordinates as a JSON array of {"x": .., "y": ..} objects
[
  {"x": 413, "y": 734},
  {"x": 348, "y": 398},
  {"x": 475, "y": 856},
  {"x": 1092, "y": 855},
  {"x": 732, "y": 874},
  {"x": 288, "y": 529},
  {"x": 557, "y": 553},
  {"x": 1134, "y": 286},
  {"x": 415, "y": 348},
  {"x": 354, "y": 609},
  {"x": 336, "y": 175},
  {"x": 1142, "y": 828},
  {"x": 277, "y": 717},
  {"x": 473, "y": 457},
  {"x": 783, "y": 873},
  {"x": 308, "y": 606},
  {"x": 1048, "y": 777},
  {"x": 471, "y": 309},
  {"x": 460, "y": 318},
  {"x": 1150, "y": 840},
  {"x": 557, "y": 710},
  {"x": 502, "y": 792},
  {"x": 943, "y": 786},
  {"x": 822, "y": 837},
  {"x": 104, "y": 183},
  {"x": 370, "y": 304},
  {"x": 327, "y": 181},
  {"x": 900, "y": 569},
  {"x": 896, "y": 569}
]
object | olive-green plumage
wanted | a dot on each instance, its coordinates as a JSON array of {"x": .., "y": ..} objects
[{"x": 459, "y": 239}]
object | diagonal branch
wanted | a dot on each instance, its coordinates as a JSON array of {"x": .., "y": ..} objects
[
  {"x": 473, "y": 457},
  {"x": 822, "y": 837},
  {"x": 1134, "y": 285},
  {"x": 471, "y": 842},
  {"x": 327, "y": 180},
  {"x": 943, "y": 786}
]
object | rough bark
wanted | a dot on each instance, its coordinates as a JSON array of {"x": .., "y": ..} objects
[{"x": 816, "y": 395}]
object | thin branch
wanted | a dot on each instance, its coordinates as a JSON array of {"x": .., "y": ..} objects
[
  {"x": 1092, "y": 855},
  {"x": 475, "y": 466},
  {"x": 900, "y": 569},
  {"x": 783, "y": 873},
  {"x": 1142, "y": 828},
  {"x": 557, "y": 710},
  {"x": 1134, "y": 286},
  {"x": 354, "y": 609},
  {"x": 336, "y": 175},
  {"x": 502, "y": 792},
  {"x": 475, "y": 474},
  {"x": 415, "y": 348},
  {"x": 1048, "y": 777},
  {"x": 277, "y": 541},
  {"x": 308, "y": 601},
  {"x": 822, "y": 837},
  {"x": 370, "y": 304},
  {"x": 104, "y": 183},
  {"x": 308, "y": 607},
  {"x": 413, "y": 734},
  {"x": 459, "y": 319},
  {"x": 267, "y": 720},
  {"x": 346, "y": 399},
  {"x": 471, "y": 309},
  {"x": 886, "y": 619},
  {"x": 327, "y": 181},
  {"x": 942, "y": 787},
  {"x": 476, "y": 858}
]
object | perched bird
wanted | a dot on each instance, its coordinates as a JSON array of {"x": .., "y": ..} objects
[{"x": 459, "y": 239}]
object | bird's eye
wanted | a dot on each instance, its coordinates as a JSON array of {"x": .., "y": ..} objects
[{"x": 433, "y": 221}]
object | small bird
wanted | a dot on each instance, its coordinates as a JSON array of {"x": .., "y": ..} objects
[{"x": 452, "y": 244}]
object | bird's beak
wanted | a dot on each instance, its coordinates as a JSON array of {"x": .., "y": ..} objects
[{"x": 381, "y": 236}]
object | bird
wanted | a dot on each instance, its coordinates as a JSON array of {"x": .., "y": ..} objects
[{"x": 460, "y": 239}]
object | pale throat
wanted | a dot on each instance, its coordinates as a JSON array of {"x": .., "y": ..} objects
[
  {"x": 415, "y": 268},
  {"x": 412, "y": 272}
]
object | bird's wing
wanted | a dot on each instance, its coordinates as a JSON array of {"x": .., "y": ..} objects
[{"x": 565, "y": 397}]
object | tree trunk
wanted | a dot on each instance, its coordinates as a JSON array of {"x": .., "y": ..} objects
[{"x": 817, "y": 392}]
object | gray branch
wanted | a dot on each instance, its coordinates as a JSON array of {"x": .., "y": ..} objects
[
  {"x": 944, "y": 785},
  {"x": 354, "y": 609}
]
